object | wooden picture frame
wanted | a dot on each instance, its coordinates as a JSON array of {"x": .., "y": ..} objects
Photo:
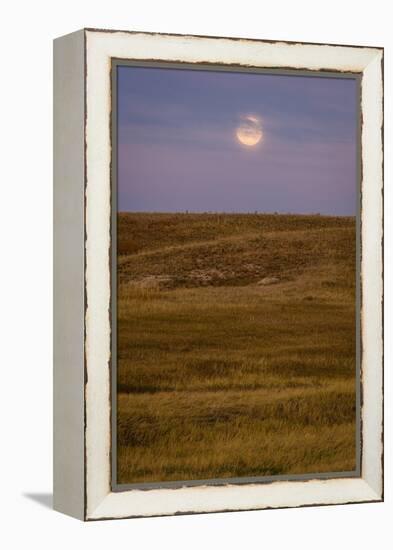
[{"x": 83, "y": 356}]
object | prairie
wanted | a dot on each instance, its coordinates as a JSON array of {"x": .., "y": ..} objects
[{"x": 236, "y": 345}]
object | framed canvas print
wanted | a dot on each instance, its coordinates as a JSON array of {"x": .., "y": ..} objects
[{"x": 218, "y": 340}]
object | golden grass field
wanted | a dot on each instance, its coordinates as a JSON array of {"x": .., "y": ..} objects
[{"x": 236, "y": 345}]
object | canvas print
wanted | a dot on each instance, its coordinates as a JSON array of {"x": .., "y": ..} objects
[{"x": 236, "y": 269}]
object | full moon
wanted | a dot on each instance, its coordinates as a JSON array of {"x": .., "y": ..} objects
[{"x": 249, "y": 131}]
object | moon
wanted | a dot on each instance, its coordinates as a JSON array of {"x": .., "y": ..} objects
[{"x": 249, "y": 132}]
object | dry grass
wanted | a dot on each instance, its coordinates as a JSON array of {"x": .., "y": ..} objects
[{"x": 219, "y": 376}]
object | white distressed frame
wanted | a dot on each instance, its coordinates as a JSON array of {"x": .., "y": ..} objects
[{"x": 100, "y": 48}]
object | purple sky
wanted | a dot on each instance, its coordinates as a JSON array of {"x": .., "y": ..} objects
[{"x": 177, "y": 146}]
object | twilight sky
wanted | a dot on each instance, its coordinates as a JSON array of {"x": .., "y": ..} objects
[{"x": 177, "y": 145}]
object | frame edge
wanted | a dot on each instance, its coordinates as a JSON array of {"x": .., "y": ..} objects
[{"x": 68, "y": 271}]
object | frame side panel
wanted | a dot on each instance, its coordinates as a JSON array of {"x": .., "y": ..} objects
[{"x": 68, "y": 299}]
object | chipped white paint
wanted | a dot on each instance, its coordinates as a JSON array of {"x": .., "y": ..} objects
[
  {"x": 372, "y": 284},
  {"x": 101, "y": 47}
]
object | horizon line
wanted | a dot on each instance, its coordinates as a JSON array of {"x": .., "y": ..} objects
[{"x": 233, "y": 213}]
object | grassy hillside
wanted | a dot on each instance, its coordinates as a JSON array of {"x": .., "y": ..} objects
[{"x": 236, "y": 345}]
